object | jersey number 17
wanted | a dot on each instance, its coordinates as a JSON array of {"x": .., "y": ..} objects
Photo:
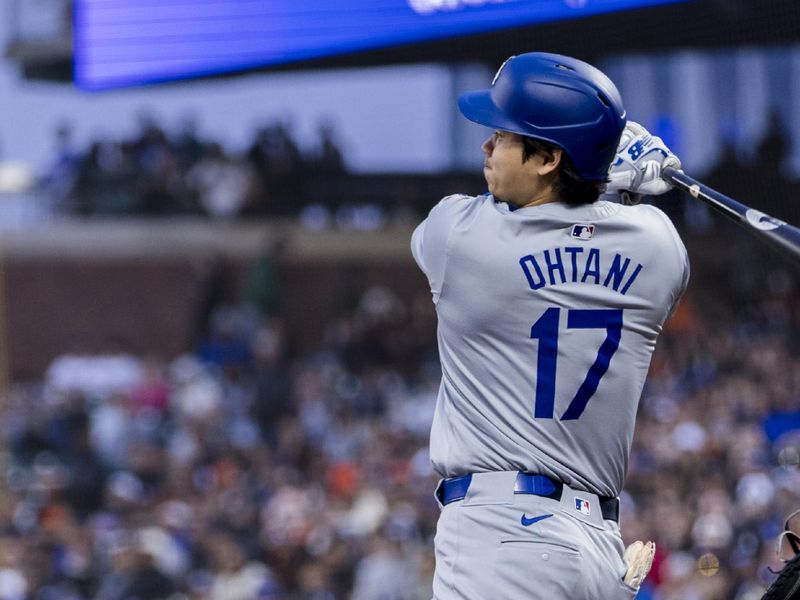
[{"x": 546, "y": 331}]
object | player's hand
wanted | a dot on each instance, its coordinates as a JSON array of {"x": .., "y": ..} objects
[{"x": 637, "y": 167}]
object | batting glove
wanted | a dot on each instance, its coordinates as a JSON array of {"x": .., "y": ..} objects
[
  {"x": 639, "y": 558},
  {"x": 637, "y": 166}
]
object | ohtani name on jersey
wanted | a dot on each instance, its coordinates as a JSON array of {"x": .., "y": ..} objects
[{"x": 576, "y": 264}]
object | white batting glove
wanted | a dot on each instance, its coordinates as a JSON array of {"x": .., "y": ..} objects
[
  {"x": 637, "y": 167},
  {"x": 639, "y": 558}
]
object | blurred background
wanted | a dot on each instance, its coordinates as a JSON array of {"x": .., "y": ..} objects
[{"x": 218, "y": 360}]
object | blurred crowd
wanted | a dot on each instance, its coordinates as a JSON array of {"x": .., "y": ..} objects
[
  {"x": 240, "y": 472},
  {"x": 159, "y": 173},
  {"x": 232, "y": 473}
]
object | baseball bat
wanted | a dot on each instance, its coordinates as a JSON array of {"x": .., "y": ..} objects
[{"x": 778, "y": 233}]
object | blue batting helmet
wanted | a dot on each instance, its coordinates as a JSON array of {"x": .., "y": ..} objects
[{"x": 558, "y": 99}]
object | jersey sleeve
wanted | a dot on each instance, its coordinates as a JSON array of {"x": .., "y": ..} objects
[{"x": 429, "y": 240}]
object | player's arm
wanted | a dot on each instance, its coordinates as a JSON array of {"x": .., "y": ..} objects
[{"x": 637, "y": 167}]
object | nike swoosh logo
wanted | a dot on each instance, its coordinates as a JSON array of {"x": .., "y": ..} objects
[{"x": 526, "y": 521}]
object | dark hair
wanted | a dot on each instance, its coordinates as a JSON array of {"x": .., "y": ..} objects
[{"x": 570, "y": 187}]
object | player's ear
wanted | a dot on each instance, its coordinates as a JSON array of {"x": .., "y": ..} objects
[{"x": 551, "y": 160}]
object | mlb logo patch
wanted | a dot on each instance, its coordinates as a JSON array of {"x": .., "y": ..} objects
[
  {"x": 582, "y": 231},
  {"x": 583, "y": 506}
]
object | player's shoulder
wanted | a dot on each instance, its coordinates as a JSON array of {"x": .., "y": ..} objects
[
  {"x": 654, "y": 227},
  {"x": 648, "y": 215},
  {"x": 645, "y": 211},
  {"x": 457, "y": 206},
  {"x": 461, "y": 202}
]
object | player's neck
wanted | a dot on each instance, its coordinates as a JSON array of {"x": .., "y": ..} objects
[{"x": 544, "y": 197}]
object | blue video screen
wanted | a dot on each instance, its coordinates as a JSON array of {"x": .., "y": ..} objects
[{"x": 120, "y": 43}]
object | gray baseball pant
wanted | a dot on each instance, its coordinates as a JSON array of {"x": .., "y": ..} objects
[{"x": 486, "y": 551}]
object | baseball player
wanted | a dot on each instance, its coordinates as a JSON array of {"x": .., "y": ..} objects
[{"x": 549, "y": 304}]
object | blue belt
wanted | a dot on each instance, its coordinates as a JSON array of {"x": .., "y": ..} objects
[{"x": 454, "y": 489}]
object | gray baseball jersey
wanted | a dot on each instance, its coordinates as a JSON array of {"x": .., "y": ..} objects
[{"x": 548, "y": 317}]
